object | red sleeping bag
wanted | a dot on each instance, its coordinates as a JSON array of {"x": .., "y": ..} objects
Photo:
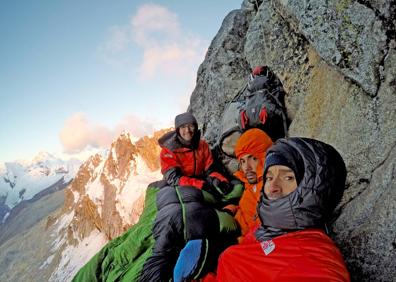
[{"x": 308, "y": 255}]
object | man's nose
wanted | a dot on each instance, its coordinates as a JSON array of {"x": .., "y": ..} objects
[{"x": 275, "y": 185}]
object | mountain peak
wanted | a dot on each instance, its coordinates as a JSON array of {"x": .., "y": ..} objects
[
  {"x": 2, "y": 167},
  {"x": 124, "y": 134},
  {"x": 43, "y": 156}
]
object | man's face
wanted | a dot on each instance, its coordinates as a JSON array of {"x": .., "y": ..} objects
[
  {"x": 187, "y": 131},
  {"x": 279, "y": 182},
  {"x": 248, "y": 165}
]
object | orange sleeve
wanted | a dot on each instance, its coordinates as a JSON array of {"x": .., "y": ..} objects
[{"x": 240, "y": 218}]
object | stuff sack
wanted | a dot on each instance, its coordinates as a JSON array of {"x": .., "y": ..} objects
[
  {"x": 230, "y": 128},
  {"x": 260, "y": 104}
]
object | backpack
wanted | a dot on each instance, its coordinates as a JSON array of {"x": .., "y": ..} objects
[{"x": 260, "y": 104}]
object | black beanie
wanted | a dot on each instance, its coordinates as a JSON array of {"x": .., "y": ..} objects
[
  {"x": 184, "y": 119},
  {"x": 278, "y": 154}
]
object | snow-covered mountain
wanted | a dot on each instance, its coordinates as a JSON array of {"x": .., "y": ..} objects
[
  {"x": 105, "y": 198},
  {"x": 28, "y": 180}
]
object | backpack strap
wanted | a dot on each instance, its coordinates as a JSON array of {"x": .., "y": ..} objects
[
  {"x": 244, "y": 119},
  {"x": 283, "y": 112},
  {"x": 240, "y": 92},
  {"x": 263, "y": 115}
]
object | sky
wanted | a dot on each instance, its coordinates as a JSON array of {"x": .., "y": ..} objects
[{"x": 74, "y": 74}]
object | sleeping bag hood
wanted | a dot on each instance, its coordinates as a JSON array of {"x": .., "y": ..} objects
[{"x": 320, "y": 189}]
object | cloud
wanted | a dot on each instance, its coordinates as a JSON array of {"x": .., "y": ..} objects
[
  {"x": 78, "y": 132},
  {"x": 167, "y": 49},
  {"x": 136, "y": 126},
  {"x": 172, "y": 60},
  {"x": 153, "y": 24},
  {"x": 114, "y": 51},
  {"x": 119, "y": 39}
]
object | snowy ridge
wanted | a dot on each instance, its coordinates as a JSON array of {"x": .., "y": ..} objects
[
  {"x": 95, "y": 189},
  {"x": 134, "y": 188},
  {"x": 127, "y": 192},
  {"x": 22, "y": 180},
  {"x": 73, "y": 257}
]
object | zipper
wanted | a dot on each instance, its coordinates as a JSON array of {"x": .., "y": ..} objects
[{"x": 195, "y": 165}]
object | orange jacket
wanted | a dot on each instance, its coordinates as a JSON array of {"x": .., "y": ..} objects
[
  {"x": 246, "y": 214},
  {"x": 254, "y": 142},
  {"x": 307, "y": 255}
]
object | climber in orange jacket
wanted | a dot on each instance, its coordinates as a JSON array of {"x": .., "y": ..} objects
[
  {"x": 186, "y": 159},
  {"x": 250, "y": 152},
  {"x": 304, "y": 180}
]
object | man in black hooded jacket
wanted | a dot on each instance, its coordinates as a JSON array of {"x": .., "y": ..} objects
[
  {"x": 187, "y": 204},
  {"x": 186, "y": 159},
  {"x": 304, "y": 180}
]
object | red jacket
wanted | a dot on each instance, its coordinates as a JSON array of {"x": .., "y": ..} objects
[
  {"x": 193, "y": 163},
  {"x": 307, "y": 255}
]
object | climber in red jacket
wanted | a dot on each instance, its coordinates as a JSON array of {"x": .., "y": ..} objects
[
  {"x": 304, "y": 180},
  {"x": 186, "y": 160}
]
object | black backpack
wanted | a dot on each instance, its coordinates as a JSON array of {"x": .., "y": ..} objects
[{"x": 260, "y": 104}]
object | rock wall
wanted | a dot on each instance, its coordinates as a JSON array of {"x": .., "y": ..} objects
[{"x": 337, "y": 61}]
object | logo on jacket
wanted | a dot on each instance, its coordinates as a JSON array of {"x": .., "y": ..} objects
[{"x": 267, "y": 246}]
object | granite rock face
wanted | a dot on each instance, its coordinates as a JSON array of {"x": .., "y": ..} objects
[
  {"x": 337, "y": 62},
  {"x": 346, "y": 34},
  {"x": 222, "y": 74}
]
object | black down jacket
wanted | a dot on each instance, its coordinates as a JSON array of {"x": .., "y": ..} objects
[
  {"x": 184, "y": 214},
  {"x": 318, "y": 193}
]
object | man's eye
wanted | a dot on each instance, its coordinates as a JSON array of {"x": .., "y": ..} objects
[
  {"x": 289, "y": 177},
  {"x": 268, "y": 178}
]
